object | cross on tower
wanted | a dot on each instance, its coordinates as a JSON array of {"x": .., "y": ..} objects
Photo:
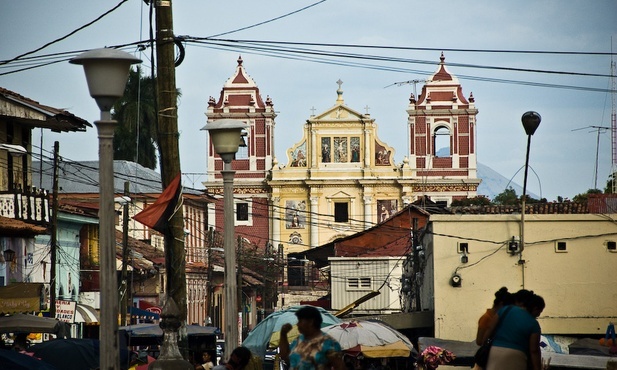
[
  {"x": 339, "y": 82},
  {"x": 312, "y": 111},
  {"x": 367, "y": 108}
]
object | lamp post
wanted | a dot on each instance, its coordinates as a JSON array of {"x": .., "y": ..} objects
[
  {"x": 531, "y": 121},
  {"x": 107, "y": 71},
  {"x": 226, "y": 136}
]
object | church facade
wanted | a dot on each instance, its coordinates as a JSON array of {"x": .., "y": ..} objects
[{"x": 340, "y": 178}]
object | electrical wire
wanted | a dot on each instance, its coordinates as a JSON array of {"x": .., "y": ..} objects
[{"x": 65, "y": 36}]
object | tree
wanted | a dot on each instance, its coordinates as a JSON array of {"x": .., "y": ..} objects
[
  {"x": 609, "y": 184},
  {"x": 136, "y": 114},
  {"x": 475, "y": 201},
  {"x": 507, "y": 198},
  {"x": 582, "y": 198}
]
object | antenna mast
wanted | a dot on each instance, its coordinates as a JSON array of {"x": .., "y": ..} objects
[{"x": 613, "y": 124}]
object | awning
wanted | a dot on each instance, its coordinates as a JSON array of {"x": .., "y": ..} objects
[
  {"x": 137, "y": 313},
  {"x": 86, "y": 314},
  {"x": 21, "y": 297}
]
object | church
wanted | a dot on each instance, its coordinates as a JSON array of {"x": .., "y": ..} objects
[{"x": 340, "y": 178}]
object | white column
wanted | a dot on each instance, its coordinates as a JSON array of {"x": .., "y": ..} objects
[
  {"x": 277, "y": 215},
  {"x": 367, "y": 148},
  {"x": 368, "y": 219},
  {"x": 314, "y": 221}
]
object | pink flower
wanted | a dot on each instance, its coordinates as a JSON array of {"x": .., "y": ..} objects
[{"x": 433, "y": 356}]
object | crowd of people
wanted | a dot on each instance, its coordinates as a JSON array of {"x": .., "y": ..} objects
[{"x": 512, "y": 324}]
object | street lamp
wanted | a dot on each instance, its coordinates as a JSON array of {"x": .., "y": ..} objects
[
  {"x": 531, "y": 121},
  {"x": 226, "y": 136},
  {"x": 107, "y": 71}
]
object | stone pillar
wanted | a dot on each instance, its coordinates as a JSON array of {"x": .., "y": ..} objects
[{"x": 170, "y": 357}]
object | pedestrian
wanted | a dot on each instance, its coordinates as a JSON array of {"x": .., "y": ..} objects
[
  {"x": 205, "y": 361},
  {"x": 238, "y": 360},
  {"x": 516, "y": 339},
  {"x": 502, "y": 298},
  {"x": 312, "y": 350}
]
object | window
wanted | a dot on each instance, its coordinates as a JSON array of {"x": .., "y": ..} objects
[
  {"x": 242, "y": 211},
  {"x": 359, "y": 283},
  {"x": 243, "y": 152},
  {"x": 561, "y": 247},
  {"x": 341, "y": 212},
  {"x": 441, "y": 142},
  {"x": 463, "y": 247},
  {"x": 611, "y": 246}
]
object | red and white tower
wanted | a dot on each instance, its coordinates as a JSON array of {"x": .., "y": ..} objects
[
  {"x": 240, "y": 99},
  {"x": 442, "y": 139}
]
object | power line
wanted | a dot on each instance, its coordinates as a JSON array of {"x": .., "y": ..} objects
[{"x": 67, "y": 35}]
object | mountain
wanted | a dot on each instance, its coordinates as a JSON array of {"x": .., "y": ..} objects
[{"x": 493, "y": 183}]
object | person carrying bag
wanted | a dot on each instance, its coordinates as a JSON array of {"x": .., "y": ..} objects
[{"x": 481, "y": 356}]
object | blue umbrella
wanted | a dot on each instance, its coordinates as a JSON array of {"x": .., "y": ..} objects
[
  {"x": 13, "y": 360},
  {"x": 266, "y": 333}
]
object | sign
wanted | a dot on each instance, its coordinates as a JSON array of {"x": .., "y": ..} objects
[
  {"x": 239, "y": 328},
  {"x": 65, "y": 311},
  {"x": 21, "y": 297}
]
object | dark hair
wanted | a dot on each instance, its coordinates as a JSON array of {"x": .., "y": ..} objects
[
  {"x": 502, "y": 296},
  {"x": 310, "y": 313},
  {"x": 240, "y": 357},
  {"x": 522, "y": 296},
  {"x": 535, "y": 301}
]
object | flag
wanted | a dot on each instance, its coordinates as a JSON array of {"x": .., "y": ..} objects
[{"x": 157, "y": 215}]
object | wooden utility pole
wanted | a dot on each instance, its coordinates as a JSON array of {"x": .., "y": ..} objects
[
  {"x": 54, "y": 233},
  {"x": 125, "y": 287},
  {"x": 167, "y": 119}
]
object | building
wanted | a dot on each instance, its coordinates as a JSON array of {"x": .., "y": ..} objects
[
  {"x": 78, "y": 185},
  {"x": 25, "y": 209},
  {"x": 241, "y": 99},
  {"x": 340, "y": 178},
  {"x": 442, "y": 140},
  {"x": 567, "y": 257}
]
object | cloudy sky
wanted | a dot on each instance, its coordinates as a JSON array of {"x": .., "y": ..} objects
[{"x": 552, "y": 57}]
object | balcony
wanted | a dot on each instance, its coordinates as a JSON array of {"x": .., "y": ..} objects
[{"x": 28, "y": 205}]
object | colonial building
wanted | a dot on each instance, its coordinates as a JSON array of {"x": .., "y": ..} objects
[
  {"x": 240, "y": 99},
  {"x": 78, "y": 184},
  {"x": 25, "y": 209},
  {"x": 340, "y": 178},
  {"x": 442, "y": 141}
]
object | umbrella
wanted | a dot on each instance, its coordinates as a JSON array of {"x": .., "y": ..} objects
[
  {"x": 32, "y": 324},
  {"x": 13, "y": 360},
  {"x": 371, "y": 338},
  {"x": 267, "y": 332},
  {"x": 154, "y": 330},
  {"x": 73, "y": 354}
]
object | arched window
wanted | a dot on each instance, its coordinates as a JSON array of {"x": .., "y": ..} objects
[{"x": 441, "y": 142}]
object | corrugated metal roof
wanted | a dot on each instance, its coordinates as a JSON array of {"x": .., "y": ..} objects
[{"x": 83, "y": 177}]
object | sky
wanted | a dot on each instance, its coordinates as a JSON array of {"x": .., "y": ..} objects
[{"x": 563, "y": 149}]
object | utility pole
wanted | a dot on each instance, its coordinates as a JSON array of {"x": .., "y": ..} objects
[
  {"x": 240, "y": 309},
  {"x": 209, "y": 287},
  {"x": 167, "y": 119},
  {"x": 125, "y": 256},
  {"x": 54, "y": 233}
]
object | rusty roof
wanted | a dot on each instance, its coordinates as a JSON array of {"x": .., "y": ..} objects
[
  {"x": 534, "y": 208},
  {"x": 13, "y": 227},
  {"x": 56, "y": 119}
]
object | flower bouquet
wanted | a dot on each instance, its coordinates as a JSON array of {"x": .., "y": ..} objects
[{"x": 433, "y": 356}]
